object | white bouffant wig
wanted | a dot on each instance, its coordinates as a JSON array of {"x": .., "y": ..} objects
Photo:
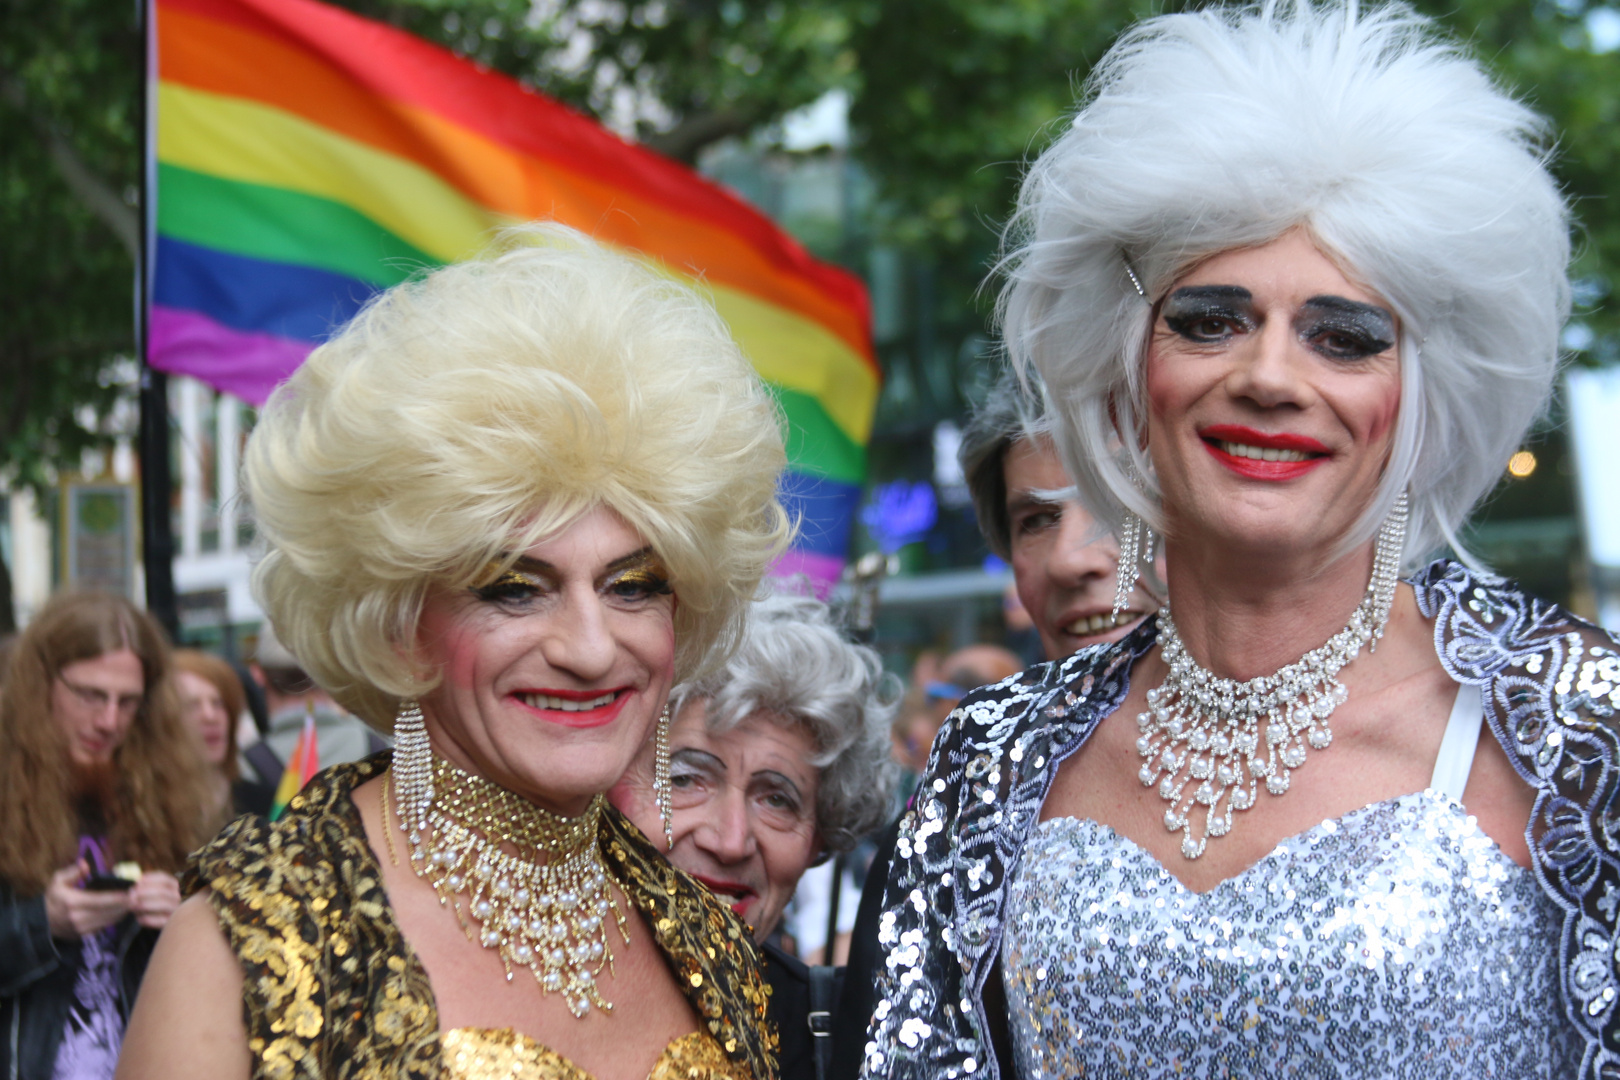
[
  {"x": 1226, "y": 128},
  {"x": 470, "y": 413}
]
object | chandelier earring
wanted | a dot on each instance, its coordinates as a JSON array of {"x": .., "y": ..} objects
[
  {"x": 413, "y": 760},
  {"x": 1136, "y": 542},
  {"x": 662, "y": 788}
]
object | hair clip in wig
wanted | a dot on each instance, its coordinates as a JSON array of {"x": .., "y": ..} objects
[{"x": 1130, "y": 272}]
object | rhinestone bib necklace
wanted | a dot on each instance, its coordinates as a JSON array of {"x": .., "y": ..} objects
[
  {"x": 545, "y": 908},
  {"x": 1208, "y": 741}
]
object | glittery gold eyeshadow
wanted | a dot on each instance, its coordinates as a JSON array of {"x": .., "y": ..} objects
[
  {"x": 649, "y": 575},
  {"x": 504, "y": 583}
]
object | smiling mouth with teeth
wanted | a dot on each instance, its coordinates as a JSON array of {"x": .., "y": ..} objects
[
  {"x": 562, "y": 704},
  {"x": 1259, "y": 453},
  {"x": 1101, "y": 623}
]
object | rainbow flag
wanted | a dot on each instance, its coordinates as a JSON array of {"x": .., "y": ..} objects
[
  {"x": 304, "y": 763},
  {"x": 306, "y": 158}
]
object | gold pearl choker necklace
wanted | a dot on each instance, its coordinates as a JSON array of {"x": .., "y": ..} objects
[{"x": 546, "y": 907}]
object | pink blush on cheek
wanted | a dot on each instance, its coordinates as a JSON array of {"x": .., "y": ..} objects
[
  {"x": 448, "y": 645},
  {"x": 458, "y": 656},
  {"x": 1381, "y": 431}
]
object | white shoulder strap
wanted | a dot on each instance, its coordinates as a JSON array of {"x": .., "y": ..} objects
[{"x": 1457, "y": 748}]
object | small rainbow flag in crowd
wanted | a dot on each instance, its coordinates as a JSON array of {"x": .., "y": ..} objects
[
  {"x": 306, "y": 158},
  {"x": 304, "y": 763}
]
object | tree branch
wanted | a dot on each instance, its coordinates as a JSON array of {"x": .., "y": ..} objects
[
  {"x": 693, "y": 133},
  {"x": 94, "y": 192}
]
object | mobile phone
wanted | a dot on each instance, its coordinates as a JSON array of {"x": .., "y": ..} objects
[{"x": 105, "y": 883}]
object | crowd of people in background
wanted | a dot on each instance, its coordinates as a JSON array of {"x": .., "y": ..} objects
[{"x": 129, "y": 754}]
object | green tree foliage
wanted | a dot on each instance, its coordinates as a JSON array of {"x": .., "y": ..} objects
[
  {"x": 70, "y": 81},
  {"x": 675, "y": 75}
]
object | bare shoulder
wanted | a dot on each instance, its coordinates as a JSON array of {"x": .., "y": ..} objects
[{"x": 188, "y": 1017}]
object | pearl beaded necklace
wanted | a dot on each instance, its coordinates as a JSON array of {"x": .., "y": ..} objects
[
  {"x": 1208, "y": 741},
  {"x": 545, "y": 908}
]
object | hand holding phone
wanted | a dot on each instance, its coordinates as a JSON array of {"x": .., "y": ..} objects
[
  {"x": 106, "y": 883},
  {"x": 75, "y": 911}
]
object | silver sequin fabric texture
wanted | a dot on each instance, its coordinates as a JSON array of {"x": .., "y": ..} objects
[
  {"x": 1550, "y": 687},
  {"x": 1396, "y": 941}
]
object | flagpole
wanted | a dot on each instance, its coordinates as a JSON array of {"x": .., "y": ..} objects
[{"x": 157, "y": 538}]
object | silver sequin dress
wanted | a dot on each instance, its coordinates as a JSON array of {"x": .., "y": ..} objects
[
  {"x": 1396, "y": 941},
  {"x": 1550, "y": 694}
]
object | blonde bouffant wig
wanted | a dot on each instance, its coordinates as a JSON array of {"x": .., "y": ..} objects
[{"x": 468, "y": 414}]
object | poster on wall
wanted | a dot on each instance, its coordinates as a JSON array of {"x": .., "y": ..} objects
[{"x": 99, "y": 527}]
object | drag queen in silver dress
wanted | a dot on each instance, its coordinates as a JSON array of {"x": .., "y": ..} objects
[{"x": 1294, "y": 280}]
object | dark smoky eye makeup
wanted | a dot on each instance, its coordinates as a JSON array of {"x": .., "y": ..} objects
[
  {"x": 1345, "y": 329},
  {"x": 1032, "y": 517},
  {"x": 773, "y": 784},
  {"x": 1207, "y": 312}
]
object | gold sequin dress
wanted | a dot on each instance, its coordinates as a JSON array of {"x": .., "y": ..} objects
[{"x": 332, "y": 990}]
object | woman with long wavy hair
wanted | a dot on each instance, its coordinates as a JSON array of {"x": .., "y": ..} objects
[{"x": 97, "y": 773}]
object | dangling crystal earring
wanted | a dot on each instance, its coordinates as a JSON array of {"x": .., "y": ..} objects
[
  {"x": 1134, "y": 537},
  {"x": 413, "y": 764},
  {"x": 661, "y": 783}
]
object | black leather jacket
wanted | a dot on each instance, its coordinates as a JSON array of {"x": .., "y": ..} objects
[{"x": 37, "y": 974}]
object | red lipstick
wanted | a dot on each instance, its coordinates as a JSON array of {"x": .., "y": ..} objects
[
  {"x": 1254, "y": 468},
  {"x": 743, "y": 894},
  {"x": 602, "y": 714}
]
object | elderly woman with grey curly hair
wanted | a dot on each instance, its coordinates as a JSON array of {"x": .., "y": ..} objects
[{"x": 777, "y": 760}]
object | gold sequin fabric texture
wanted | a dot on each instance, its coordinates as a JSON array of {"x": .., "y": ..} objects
[
  {"x": 331, "y": 989},
  {"x": 1397, "y": 941},
  {"x": 1550, "y": 684},
  {"x": 479, "y": 1054}
]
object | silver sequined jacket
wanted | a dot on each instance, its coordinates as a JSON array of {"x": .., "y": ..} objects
[{"x": 1551, "y": 687}]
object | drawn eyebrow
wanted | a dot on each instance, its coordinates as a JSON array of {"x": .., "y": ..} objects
[
  {"x": 1339, "y": 305},
  {"x": 1207, "y": 293},
  {"x": 637, "y": 559},
  {"x": 782, "y": 779},
  {"x": 691, "y": 755},
  {"x": 526, "y": 565}
]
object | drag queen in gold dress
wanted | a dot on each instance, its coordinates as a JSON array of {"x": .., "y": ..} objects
[{"x": 504, "y": 510}]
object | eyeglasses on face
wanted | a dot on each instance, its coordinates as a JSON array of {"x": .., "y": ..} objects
[{"x": 97, "y": 699}]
